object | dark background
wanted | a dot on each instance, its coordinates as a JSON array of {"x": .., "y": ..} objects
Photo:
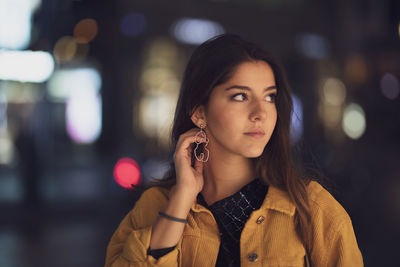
[{"x": 59, "y": 201}]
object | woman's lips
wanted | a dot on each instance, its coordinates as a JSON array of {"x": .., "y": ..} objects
[{"x": 255, "y": 135}]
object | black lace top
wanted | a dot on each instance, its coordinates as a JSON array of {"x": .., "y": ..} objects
[{"x": 231, "y": 214}]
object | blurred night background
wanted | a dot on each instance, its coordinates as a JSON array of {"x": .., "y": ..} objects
[{"x": 88, "y": 90}]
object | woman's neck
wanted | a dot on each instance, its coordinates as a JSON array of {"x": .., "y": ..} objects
[{"x": 224, "y": 177}]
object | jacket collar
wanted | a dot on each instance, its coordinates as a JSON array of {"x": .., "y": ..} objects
[{"x": 276, "y": 199}]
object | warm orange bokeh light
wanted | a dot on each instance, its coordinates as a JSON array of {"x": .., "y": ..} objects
[
  {"x": 64, "y": 49},
  {"x": 356, "y": 69},
  {"x": 85, "y": 31}
]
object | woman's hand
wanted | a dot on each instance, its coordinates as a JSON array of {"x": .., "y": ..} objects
[
  {"x": 188, "y": 179},
  {"x": 189, "y": 182}
]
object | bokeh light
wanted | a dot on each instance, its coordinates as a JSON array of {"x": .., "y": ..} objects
[
  {"x": 296, "y": 129},
  {"x": 16, "y": 23},
  {"x": 83, "y": 115},
  {"x": 156, "y": 114},
  {"x": 85, "y": 31},
  {"x": 195, "y": 31},
  {"x": 65, "y": 49},
  {"x": 64, "y": 82},
  {"x": 133, "y": 24},
  {"x": 354, "y": 122},
  {"x": 7, "y": 149},
  {"x": 390, "y": 86},
  {"x": 332, "y": 95},
  {"x": 399, "y": 29},
  {"x": 313, "y": 46},
  {"x": 80, "y": 88},
  {"x": 330, "y": 115},
  {"x": 21, "y": 92},
  {"x": 158, "y": 79},
  {"x": 26, "y": 66},
  {"x": 333, "y": 92},
  {"x": 3, "y": 112},
  {"x": 356, "y": 69},
  {"x": 127, "y": 173},
  {"x": 159, "y": 85}
]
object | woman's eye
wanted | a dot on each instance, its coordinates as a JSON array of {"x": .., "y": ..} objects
[
  {"x": 242, "y": 96},
  {"x": 271, "y": 98},
  {"x": 236, "y": 96}
]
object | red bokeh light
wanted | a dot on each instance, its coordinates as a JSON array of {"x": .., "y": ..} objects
[{"x": 127, "y": 172}]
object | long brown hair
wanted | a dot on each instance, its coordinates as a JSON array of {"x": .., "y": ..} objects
[{"x": 211, "y": 64}]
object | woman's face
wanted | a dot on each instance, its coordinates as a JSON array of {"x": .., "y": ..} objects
[{"x": 243, "y": 104}]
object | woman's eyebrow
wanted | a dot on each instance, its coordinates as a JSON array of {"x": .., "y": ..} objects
[{"x": 248, "y": 88}]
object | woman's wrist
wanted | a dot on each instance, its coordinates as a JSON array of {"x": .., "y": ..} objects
[
  {"x": 185, "y": 192},
  {"x": 180, "y": 203},
  {"x": 172, "y": 218}
]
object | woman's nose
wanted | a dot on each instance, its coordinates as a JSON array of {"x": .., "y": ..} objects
[{"x": 259, "y": 111}]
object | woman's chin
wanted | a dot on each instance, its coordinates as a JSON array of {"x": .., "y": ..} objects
[{"x": 254, "y": 154}]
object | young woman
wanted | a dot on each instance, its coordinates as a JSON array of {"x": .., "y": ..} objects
[{"x": 232, "y": 195}]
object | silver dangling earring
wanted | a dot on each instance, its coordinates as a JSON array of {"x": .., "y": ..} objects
[{"x": 202, "y": 134}]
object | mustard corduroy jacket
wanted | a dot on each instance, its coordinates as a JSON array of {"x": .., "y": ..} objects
[{"x": 268, "y": 237}]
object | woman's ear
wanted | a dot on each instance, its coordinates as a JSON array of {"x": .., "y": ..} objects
[{"x": 198, "y": 116}]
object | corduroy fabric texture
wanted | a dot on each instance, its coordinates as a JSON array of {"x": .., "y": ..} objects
[
  {"x": 268, "y": 237},
  {"x": 231, "y": 214}
]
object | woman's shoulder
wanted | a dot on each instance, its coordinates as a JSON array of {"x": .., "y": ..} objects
[
  {"x": 155, "y": 193},
  {"x": 322, "y": 202},
  {"x": 153, "y": 196},
  {"x": 333, "y": 235}
]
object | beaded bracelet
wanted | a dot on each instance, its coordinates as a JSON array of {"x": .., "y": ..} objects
[{"x": 172, "y": 218}]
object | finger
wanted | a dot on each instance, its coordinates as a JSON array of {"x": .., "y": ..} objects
[
  {"x": 185, "y": 150},
  {"x": 198, "y": 166},
  {"x": 190, "y": 132},
  {"x": 187, "y": 143}
]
